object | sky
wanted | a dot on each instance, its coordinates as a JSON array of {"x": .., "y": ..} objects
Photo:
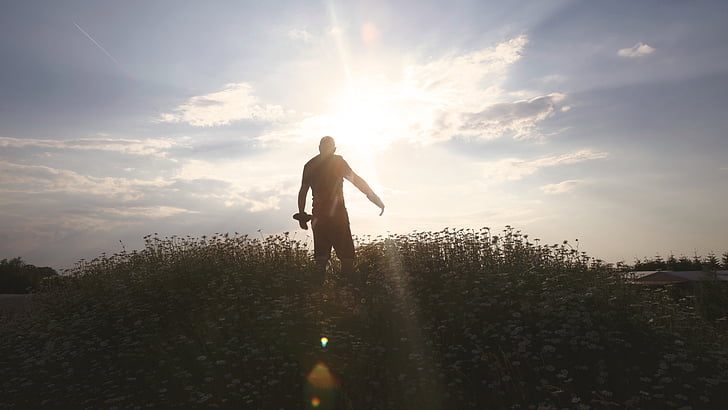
[{"x": 598, "y": 121}]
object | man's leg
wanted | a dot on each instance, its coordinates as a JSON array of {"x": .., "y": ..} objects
[
  {"x": 347, "y": 266},
  {"x": 344, "y": 246},
  {"x": 321, "y": 251},
  {"x": 321, "y": 262}
]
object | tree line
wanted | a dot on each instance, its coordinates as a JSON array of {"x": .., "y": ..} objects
[
  {"x": 17, "y": 276},
  {"x": 683, "y": 263}
]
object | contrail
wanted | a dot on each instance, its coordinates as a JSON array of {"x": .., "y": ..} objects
[{"x": 97, "y": 44}]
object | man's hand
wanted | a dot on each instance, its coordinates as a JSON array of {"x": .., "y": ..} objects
[
  {"x": 302, "y": 219},
  {"x": 376, "y": 201}
]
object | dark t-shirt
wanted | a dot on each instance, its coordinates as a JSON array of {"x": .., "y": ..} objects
[{"x": 325, "y": 175}]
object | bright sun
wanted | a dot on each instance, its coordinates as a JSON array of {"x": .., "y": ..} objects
[
  {"x": 364, "y": 120},
  {"x": 369, "y": 115}
]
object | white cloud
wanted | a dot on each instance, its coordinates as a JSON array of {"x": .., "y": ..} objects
[
  {"x": 464, "y": 83},
  {"x": 453, "y": 95},
  {"x": 49, "y": 225},
  {"x": 511, "y": 169},
  {"x": 43, "y": 203},
  {"x": 43, "y": 179},
  {"x": 570, "y": 158},
  {"x": 53, "y": 219},
  {"x": 153, "y": 147},
  {"x": 456, "y": 73},
  {"x": 255, "y": 184},
  {"x": 561, "y": 187},
  {"x": 299, "y": 34},
  {"x": 146, "y": 211},
  {"x": 553, "y": 79},
  {"x": 637, "y": 50},
  {"x": 518, "y": 119},
  {"x": 236, "y": 102}
]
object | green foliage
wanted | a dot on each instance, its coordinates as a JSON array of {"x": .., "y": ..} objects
[
  {"x": 18, "y": 277},
  {"x": 708, "y": 263},
  {"x": 655, "y": 263},
  {"x": 451, "y": 319},
  {"x": 711, "y": 299},
  {"x": 681, "y": 264}
]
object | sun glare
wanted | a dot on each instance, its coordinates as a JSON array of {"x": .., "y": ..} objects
[{"x": 363, "y": 120}]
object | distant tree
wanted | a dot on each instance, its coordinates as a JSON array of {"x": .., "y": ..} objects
[
  {"x": 672, "y": 263},
  {"x": 650, "y": 264},
  {"x": 18, "y": 277},
  {"x": 684, "y": 263},
  {"x": 710, "y": 263},
  {"x": 622, "y": 266},
  {"x": 697, "y": 262}
]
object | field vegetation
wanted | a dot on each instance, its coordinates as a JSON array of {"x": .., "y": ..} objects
[{"x": 454, "y": 319}]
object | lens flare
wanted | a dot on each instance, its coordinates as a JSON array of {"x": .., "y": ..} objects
[
  {"x": 321, "y": 388},
  {"x": 321, "y": 377},
  {"x": 324, "y": 342}
]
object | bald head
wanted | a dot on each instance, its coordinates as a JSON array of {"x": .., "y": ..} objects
[{"x": 327, "y": 145}]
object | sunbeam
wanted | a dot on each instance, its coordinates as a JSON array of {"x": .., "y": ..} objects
[
  {"x": 337, "y": 33},
  {"x": 397, "y": 279}
]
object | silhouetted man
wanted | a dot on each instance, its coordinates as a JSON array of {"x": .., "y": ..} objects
[{"x": 325, "y": 174}]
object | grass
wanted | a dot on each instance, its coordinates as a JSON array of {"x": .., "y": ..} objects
[{"x": 446, "y": 320}]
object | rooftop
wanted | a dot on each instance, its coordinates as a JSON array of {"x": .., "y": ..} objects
[{"x": 665, "y": 277}]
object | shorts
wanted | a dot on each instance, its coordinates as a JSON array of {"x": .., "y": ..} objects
[{"x": 332, "y": 231}]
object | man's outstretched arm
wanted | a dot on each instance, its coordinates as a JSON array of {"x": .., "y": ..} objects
[{"x": 362, "y": 185}]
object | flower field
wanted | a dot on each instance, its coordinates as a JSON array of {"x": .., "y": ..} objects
[{"x": 455, "y": 319}]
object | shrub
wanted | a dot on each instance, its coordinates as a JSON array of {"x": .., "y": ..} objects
[
  {"x": 18, "y": 277},
  {"x": 711, "y": 298}
]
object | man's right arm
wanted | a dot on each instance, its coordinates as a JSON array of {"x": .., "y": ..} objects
[{"x": 302, "y": 194}]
